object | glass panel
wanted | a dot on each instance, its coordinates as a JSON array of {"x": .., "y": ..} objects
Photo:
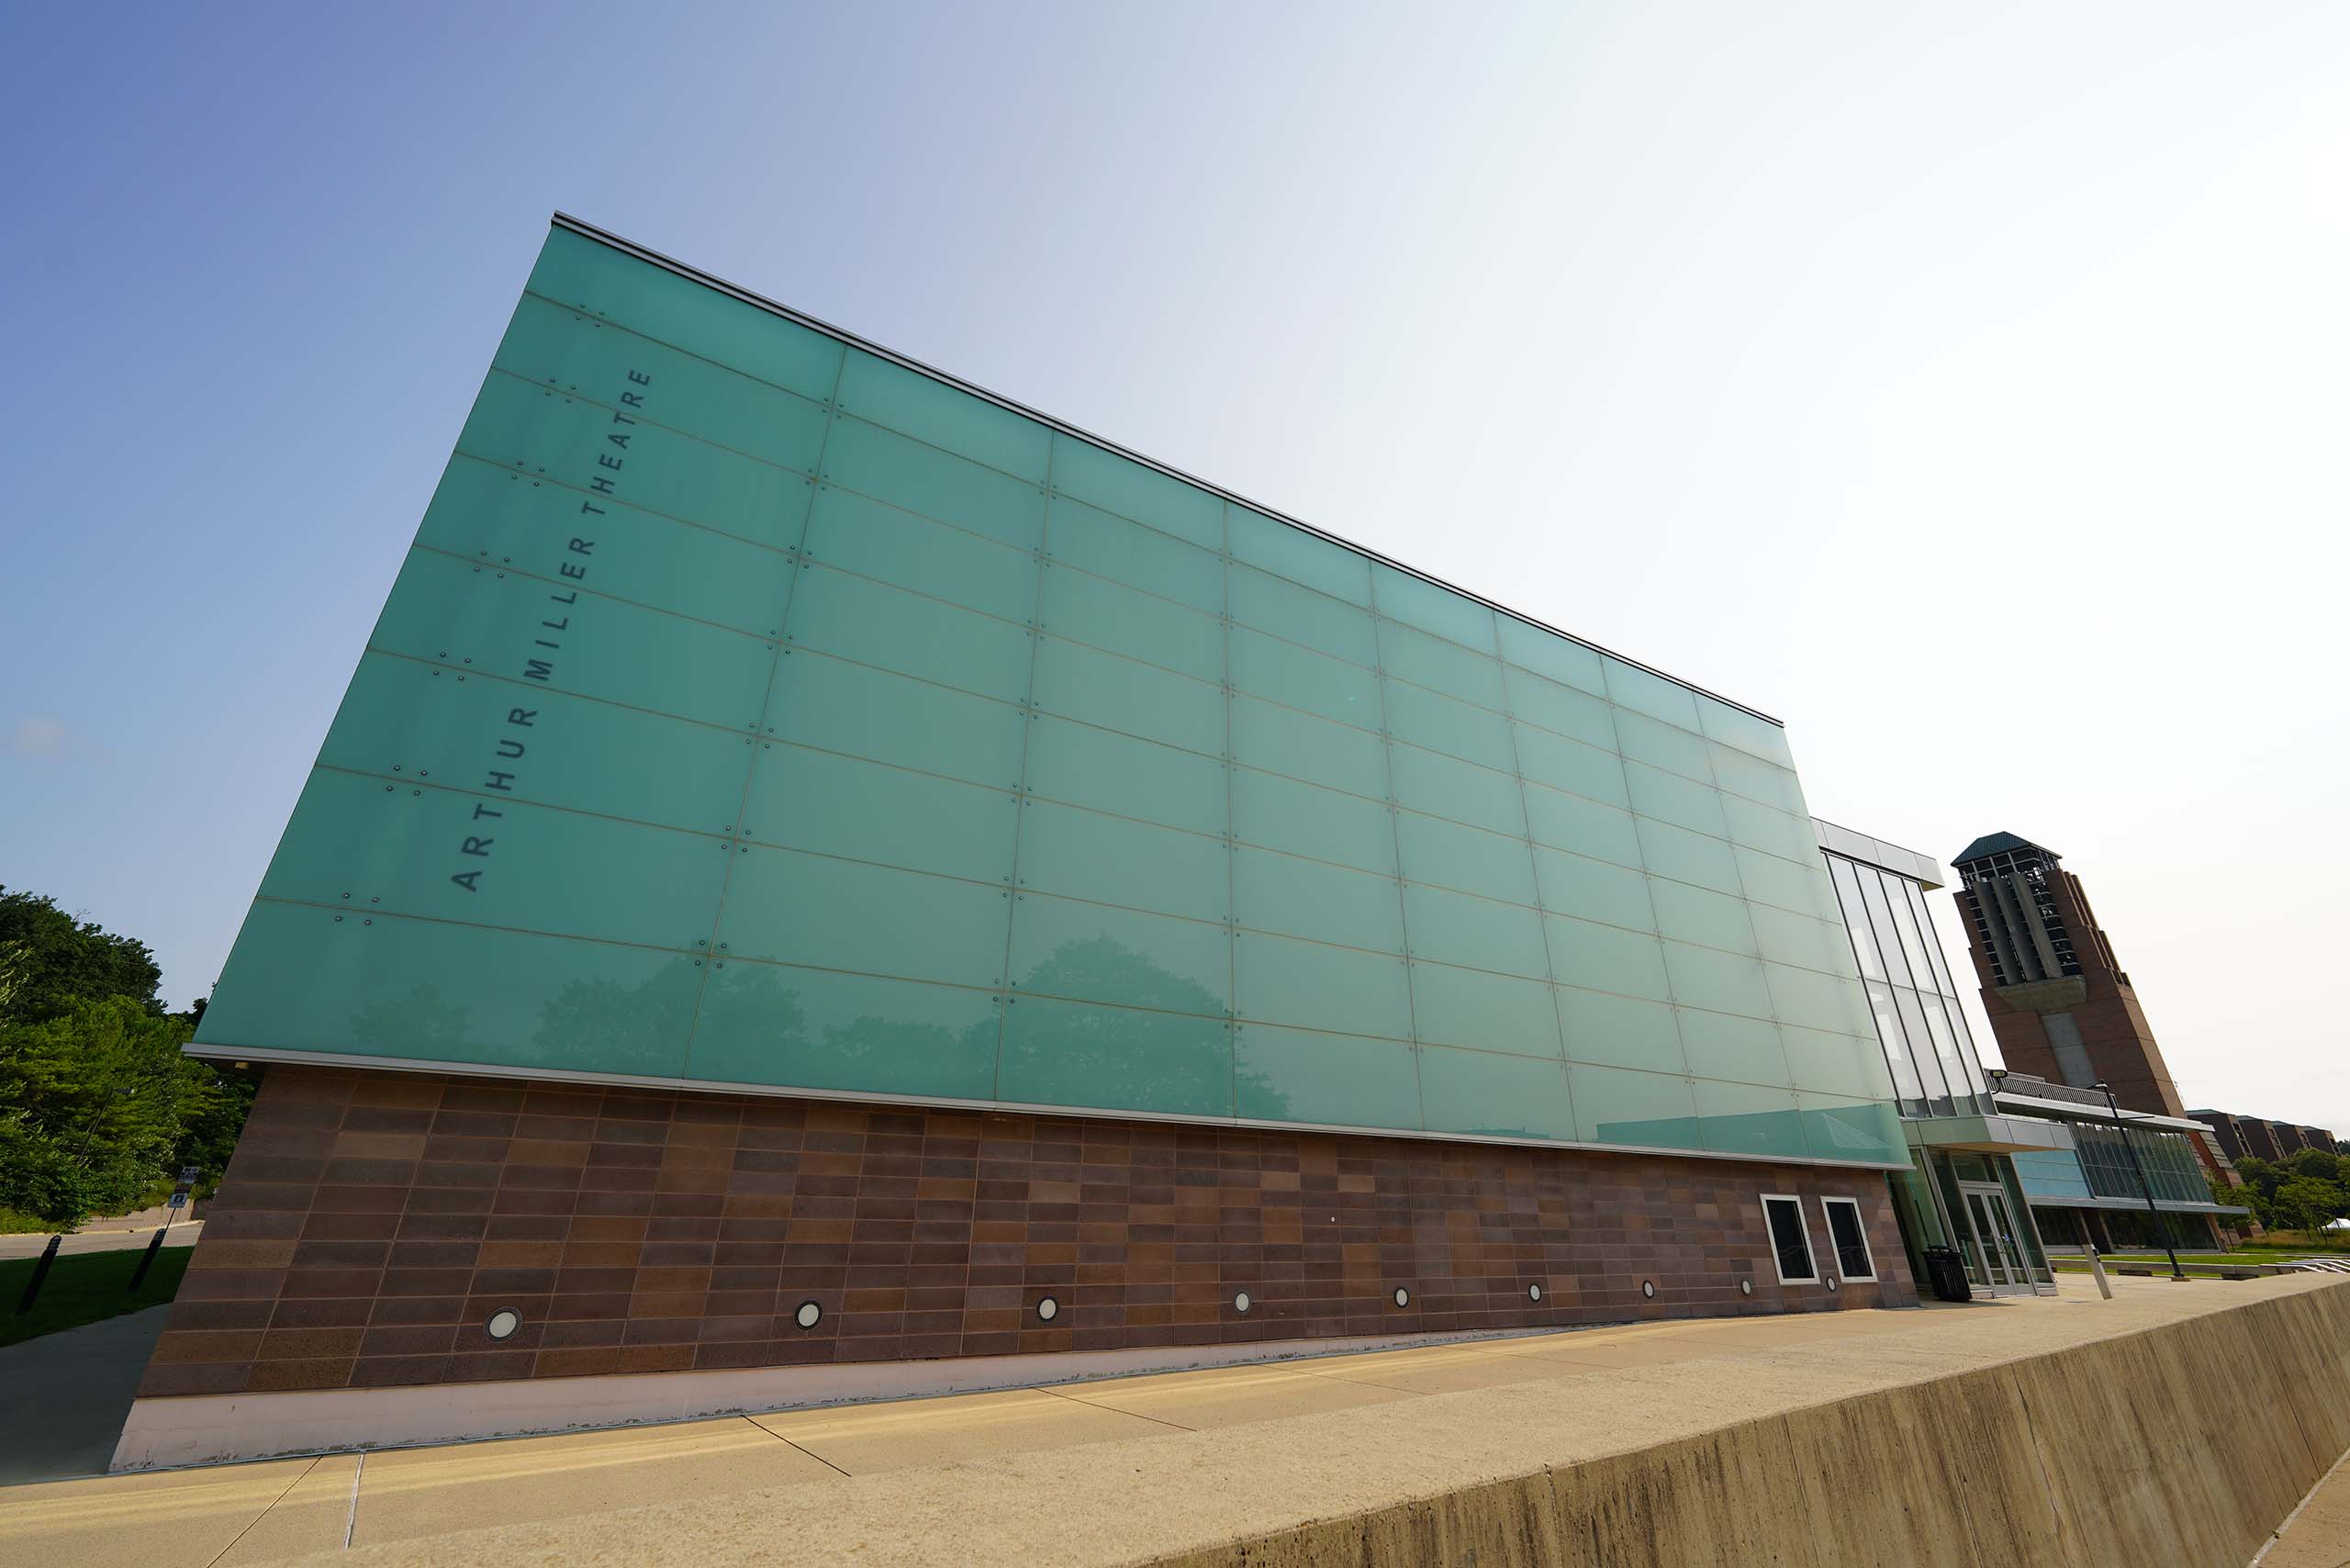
[
  {"x": 1299, "y": 677},
  {"x": 1399, "y": 596},
  {"x": 1445, "y": 787},
  {"x": 1585, "y": 827},
  {"x": 837, "y": 914},
  {"x": 838, "y": 805},
  {"x": 872, "y": 540},
  {"x": 1620, "y": 1031},
  {"x": 372, "y": 847},
  {"x": 425, "y": 991},
  {"x": 1845, "y": 878},
  {"x": 1790, "y": 1239},
  {"x": 1498, "y": 1096},
  {"x": 1921, "y": 1049},
  {"x": 1343, "y": 1080},
  {"x": 1604, "y": 958},
  {"x": 577, "y": 271},
  {"x": 821, "y": 701},
  {"x": 1439, "y": 665},
  {"x": 1448, "y": 855},
  {"x": 1570, "y": 765},
  {"x": 1756, "y": 780},
  {"x": 1745, "y": 1118},
  {"x": 1837, "y": 1128},
  {"x": 1711, "y": 920},
  {"x": 1640, "y": 1110},
  {"x": 1109, "y": 859},
  {"x": 1282, "y": 740},
  {"x": 768, "y": 1023},
  {"x": 1088, "y": 952},
  {"x": 1723, "y": 1045},
  {"x": 889, "y": 467},
  {"x": 1294, "y": 554},
  {"x": 1594, "y": 890},
  {"x": 891, "y": 629},
  {"x": 1769, "y": 879},
  {"x": 1562, "y": 709},
  {"x": 907, "y": 401},
  {"x": 1131, "y": 489},
  {"x": 1758, "y": 736},
  {"x": 1079, "y": 682},
  {"x": 1797, "y": 939},
  {"x": 1773, "y": 832},
  {"x": 564, "y": 440},
  {"x": 443, "y": 610},
  {"x": 1458, "y": 729},
  {"x": 557, "y": 350},
  {"x": 1139, "y": 625},
  {"x": 488, "y": 514},
  {"x": 503, "y": 737},
  {"x": 1545, "y": 653},
  {"x": 1651, "y": 694},
  {"x": 1952, "y": 1070},
  {"x": 1489, "y": 1011},
  {"x": 1116, "y": 1058},
  {"x": 1668, "y": 797},
  {"x": 1686, "y": 857},
  {"x": 1724, "y": 982},
  {"x": 1646, "y": 741},
  {"x": 1302, "y": 615},
  {"x": 1839, "y": 1064},
  {"x": 1817, "y": 1000},
  {"x": 1111, "y": 772},
  {"x": 1280, "y": 813},
  {"x": 1453, "y": 928},
  {"x": 1128, "y": 553},
  {"x": 1307, "y": 898},
  {"x": 1281, "y": 982}
]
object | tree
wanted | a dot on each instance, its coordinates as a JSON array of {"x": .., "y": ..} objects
[
  {"x": 48, "y": 958},
  {"x": 2305, "y": 1202},
  {"x": 98, "y": 1106},
  {"x": 94, "y": 1103},
  {"x": 2322, "y": 1164}
]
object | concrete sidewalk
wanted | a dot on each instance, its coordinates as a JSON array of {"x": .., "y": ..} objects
[
  {"x": 63, "y": 1396},
  {"x": 1117, "y": 1470}
]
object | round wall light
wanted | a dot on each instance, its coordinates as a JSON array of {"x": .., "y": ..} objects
[
  {"x": 502, "y": 1323},
  {"x": 1240, "y": 1301},
  {"x": 809, "y": 1315},
  {"x": 1832, "y": 1282},
  {"x": 1534, "y": 1293},
  {"x": 1402, "y": 1296},
  {"x": 1745, "y": 1287},
  {"x": 1049, "y": 1309},
  {"x": 1648, "y": 1288}
]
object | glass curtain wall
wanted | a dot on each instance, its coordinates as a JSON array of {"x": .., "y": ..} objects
[
  {"x": 1918, "y": 1020},
  {"x": 755, "y": 710}
]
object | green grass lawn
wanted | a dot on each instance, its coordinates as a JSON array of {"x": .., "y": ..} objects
[
  {"x": 84, "y": 1289},
  {"x": 2139, "y": 1260}
]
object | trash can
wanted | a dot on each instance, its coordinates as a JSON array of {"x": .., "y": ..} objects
[{"x": 1946, "y": 1273}]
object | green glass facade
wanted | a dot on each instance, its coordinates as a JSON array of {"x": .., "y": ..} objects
[{"x": 756, "y": 710}]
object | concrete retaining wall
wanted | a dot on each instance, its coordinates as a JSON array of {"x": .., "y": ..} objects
[{"x": 2184, "y": 1444}]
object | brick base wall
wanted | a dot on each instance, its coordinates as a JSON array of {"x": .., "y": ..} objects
[{"x": 371, "y": 1222}]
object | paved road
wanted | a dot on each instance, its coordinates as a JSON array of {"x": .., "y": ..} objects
[
  {"x": 62, "y": 1397},
  {"x": 100, "y": 1240}
]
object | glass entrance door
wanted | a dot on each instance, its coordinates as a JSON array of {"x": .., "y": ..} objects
[{"x": 1996, "y": 1244}]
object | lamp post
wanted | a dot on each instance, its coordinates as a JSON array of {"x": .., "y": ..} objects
[{"x": 2143, "y": 1185}]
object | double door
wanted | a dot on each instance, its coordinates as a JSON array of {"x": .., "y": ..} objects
[{"x": 1993, "y": 1244}]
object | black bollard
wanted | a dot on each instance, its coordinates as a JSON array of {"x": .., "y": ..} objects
[
  {"x": 139, "y": 1275},
  {"x": 40, "y": 1272}
]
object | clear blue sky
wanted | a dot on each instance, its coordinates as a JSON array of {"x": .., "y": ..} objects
[{"x": 1966, "y": 388}]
